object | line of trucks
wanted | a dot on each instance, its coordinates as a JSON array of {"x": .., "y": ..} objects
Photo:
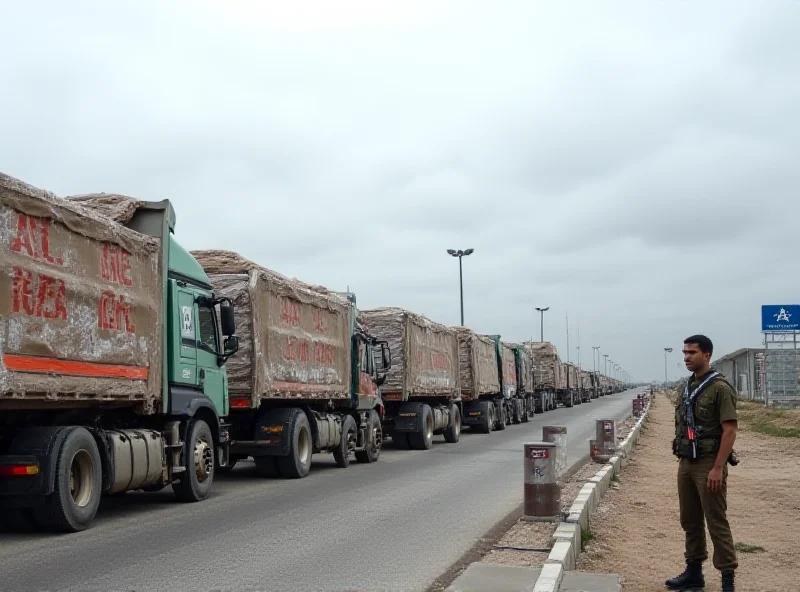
[{"x": 129, "y": 363}]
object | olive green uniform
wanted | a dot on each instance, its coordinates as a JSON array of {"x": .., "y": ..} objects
[{"x": 715, "y": 405}]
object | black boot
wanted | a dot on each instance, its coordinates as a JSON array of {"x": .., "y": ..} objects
[
  {"x": 727, "y": 581},
  {"x": 692, "y": 577}
]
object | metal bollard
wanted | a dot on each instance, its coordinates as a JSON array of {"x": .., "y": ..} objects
[
  {"x": 557, "y": 435},
  {"x": 606, "y": 436},
  {"x": 542, "y": 495}
]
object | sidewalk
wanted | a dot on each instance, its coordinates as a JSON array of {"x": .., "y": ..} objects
[{"x": 636, "y": 530}]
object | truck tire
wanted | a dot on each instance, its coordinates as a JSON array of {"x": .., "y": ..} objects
[
  {"x": 453, "y": 431},
  {"x": 502, "y": 416},
  {"x": 487, "y": 411},
  {"x": 298, "y": 463},
  {"x": 341, "y": 453},
  {"x": 78, "y": 480},
  {"x": 374, "y": 439},
  {"x": 194, "y": 484},
  {"x": 423, "y": 439}
]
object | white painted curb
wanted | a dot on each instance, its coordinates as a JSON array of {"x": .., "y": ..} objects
[{"x": 567, "y": 547}]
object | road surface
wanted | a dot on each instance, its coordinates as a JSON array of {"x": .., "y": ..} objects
[{"x": 394, "y": 525}]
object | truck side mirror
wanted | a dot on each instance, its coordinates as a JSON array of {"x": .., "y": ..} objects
[
  {"x": 228, "y": 319},
  {"x": 386, "y": 356},
  {"x": 231, "y": 345}
]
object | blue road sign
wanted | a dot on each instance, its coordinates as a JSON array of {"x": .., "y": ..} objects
[{"x": 780, "y": 317}]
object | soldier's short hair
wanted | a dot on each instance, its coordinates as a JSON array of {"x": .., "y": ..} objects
[{"x": 701, "y": 341}]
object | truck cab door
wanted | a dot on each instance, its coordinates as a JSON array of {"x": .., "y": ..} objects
[{"x": 210, "y": 377}]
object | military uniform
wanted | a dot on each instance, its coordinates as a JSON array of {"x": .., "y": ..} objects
[{"x": 715, "y": 404}]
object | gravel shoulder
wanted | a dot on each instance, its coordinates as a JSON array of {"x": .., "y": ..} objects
[
  {"x": 532, "y": 541},
  {"x": 636, "y": 531}
]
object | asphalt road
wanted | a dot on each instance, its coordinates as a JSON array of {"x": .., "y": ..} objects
[{"x": 394, "y": 525}]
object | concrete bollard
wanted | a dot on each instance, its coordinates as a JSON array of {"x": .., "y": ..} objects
[
  {"x": 606, "y": 436},
  {"x": 542, "y": 495},
  {"x": 557, "y": 435}
]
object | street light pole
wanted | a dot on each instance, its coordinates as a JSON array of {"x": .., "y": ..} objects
[
  {"x": 667, "y": 350},
  {"x": 541, "y": 321},
  {"x": 605, "y": 364},
  {"x": 459, "y": 253},
  {"x": 596, "y": 352}
]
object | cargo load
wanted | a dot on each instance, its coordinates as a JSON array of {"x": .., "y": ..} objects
[
  {"x": 424, "y": 353},
  {"x": 548, "y": 368},
  {"x": 294, "y": 338},
  {"x": 477, "y": 364},
  {"x": 509, "y": 369},
  {"x": 82, "y": 313}
]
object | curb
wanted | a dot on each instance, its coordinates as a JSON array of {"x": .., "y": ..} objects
[{"x": 567, "y": 547}]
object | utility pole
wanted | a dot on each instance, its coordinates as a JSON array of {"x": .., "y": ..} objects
[
  {"x": 667, "y": 350},
  {"x": 460, "y": 254},
  {"x": 541, "y": 321}
]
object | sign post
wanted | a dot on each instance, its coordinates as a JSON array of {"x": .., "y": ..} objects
[{"x": 780, "y": 324}]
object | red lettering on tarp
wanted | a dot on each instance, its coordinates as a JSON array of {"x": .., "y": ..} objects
[
  {"x": 290, "y": 355},
  {"x": 439, "y": 361},
  {"x": 290, "y": 312},
  {"x": 115, "y": 265},
  {"x": 114, "y": 313},
  {"x": 33, "y": 232},
  {"x": 324, "y": 354},
  {"x": 38, "y": 295},
  {"x": 304, "y": 351},
  {"x": 319, "y": 322}
]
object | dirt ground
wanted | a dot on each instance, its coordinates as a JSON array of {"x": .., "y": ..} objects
[
  {"x": 532, "y": 540},
  {"x": 636, "y": 529}
]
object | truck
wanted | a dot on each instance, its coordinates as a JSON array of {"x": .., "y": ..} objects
[
  {"x": 585, "y": 386},
  {"x": 113, "y": 347},
  {"x": 548, "y": 373},
  {"x": 305, "y": 379},
  {"x": 479, "y": 380},
  {"x": 571, "y": 395},
  {"x": 421, "y": 392}
]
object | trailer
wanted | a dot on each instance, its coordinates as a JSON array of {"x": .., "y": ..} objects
[
  {"x": 305, "y": 380},
  {"x": 585, "y": 382},
  {"x": 548, "y": 374},
  {"x": 479, "y": 380},
  {"x": 571, "y": 394},
  {"x": 421, "y": 391},
  {"x": 112, "y": 361}
]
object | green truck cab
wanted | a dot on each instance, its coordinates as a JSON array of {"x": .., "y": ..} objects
[{"x": 114, "y": 378}]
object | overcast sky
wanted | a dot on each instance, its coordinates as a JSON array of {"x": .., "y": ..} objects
[{"x": 632, "y": 164}]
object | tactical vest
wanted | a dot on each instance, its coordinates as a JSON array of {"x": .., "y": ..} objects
[{"x": 689, "y": 442}]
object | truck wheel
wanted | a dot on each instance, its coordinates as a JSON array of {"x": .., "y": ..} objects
[
  {"x": 423, "y": 440},
  {"x": 487, "y": 412},
  {"x": 348, "y": 442},
  {"x": 194, "y": 484},
  {"x": 374, "y": 440},
  {"x": 453, "y": 431},
  {"x": 502, "y": 417},
  {"x": 78, "y": 479},
  {"x": 298, "y": 463}
]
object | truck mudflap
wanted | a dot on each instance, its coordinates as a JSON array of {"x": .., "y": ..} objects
[
  {"x": 474, "y": 413},
  {"x": 271, "y": 434},
  {"x": 32, "y": 447}
]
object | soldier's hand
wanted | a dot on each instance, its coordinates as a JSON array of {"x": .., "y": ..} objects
[{"x": 714, "y": 482}]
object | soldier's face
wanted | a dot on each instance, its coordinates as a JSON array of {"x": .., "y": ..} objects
[{"x": 693, "y": 357}]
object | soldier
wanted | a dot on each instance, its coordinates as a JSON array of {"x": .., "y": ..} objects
[{"x": 705, "y": 430}]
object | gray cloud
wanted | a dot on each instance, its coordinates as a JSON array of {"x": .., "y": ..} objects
[{"x": 633, "y": 168}]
